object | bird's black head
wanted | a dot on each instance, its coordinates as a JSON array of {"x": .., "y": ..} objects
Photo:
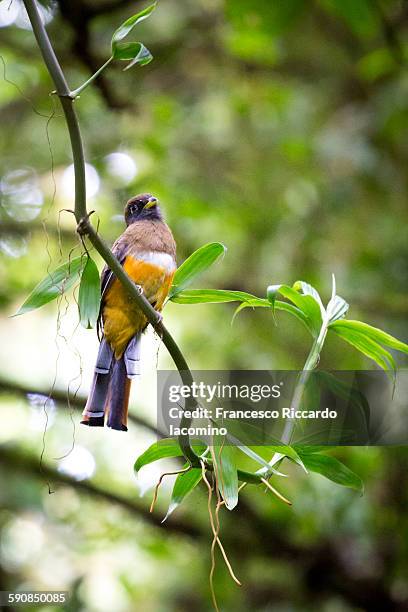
[{"x": 142, "y": 206}]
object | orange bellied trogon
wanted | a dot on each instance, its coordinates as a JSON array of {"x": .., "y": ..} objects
[{"x": 147, "y": 252}]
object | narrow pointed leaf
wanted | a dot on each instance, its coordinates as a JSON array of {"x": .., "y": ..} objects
[
  {"x": 54, "y": 285},
  {"x": 253, "y": 455},
  {"x": 222, "y": 296},
  {"x": 128, "y": 25},
  {"x": 287, "y": 451},
  {"x": 310, "y": 290},
  {"x": 211, "y": 296},
  {"x": 195, "y": 265},
  {"x": 226, "y": 471},
  {"x": 310, "y": 450},
  {"x": 336, "y": 308},
  {"x": 366, "y": 345},
  {"x": 307, "y": 305},
  {"x": 293, "y": 310},
  {"x": 168, "y": 447},
  {"x": 183, "y": 485},
  {"x": 134, "y": 51},
  {"x": 238, "y": 310},
  {"x": 371, "y": 332},
  {"x": 333, "y": 469},
  {"x": 89, "y": 297},
  {"x": 253, "y": 303},
  {"x": 142, "y": 58}
]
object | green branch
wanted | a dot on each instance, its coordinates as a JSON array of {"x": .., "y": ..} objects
[{"x": 79, "y": 90}]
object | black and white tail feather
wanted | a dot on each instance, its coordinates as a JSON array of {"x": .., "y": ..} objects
[{"x": 109, "y": 394}]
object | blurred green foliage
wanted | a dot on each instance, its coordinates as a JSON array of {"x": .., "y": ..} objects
[{"x": 279, "y": 129}]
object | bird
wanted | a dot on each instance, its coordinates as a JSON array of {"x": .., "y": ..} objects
[{"x": 147, "y": 252}]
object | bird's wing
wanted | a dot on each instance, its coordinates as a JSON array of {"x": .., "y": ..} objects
[{"x": 119, "y": 249}]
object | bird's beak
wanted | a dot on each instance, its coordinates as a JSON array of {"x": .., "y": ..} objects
[{"x": 151, "y": 202}]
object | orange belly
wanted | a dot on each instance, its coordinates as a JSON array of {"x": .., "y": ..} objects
[{"x": 122, "y": 319}]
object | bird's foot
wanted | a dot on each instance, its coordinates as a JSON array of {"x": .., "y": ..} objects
[
  {"x": 159, "y": 318},
  {"x": 83, "y": 224}
]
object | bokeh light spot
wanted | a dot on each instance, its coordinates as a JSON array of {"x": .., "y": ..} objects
[
  {"x": 13, "y": 246},
  {"x": 21, "y": 197},
  {"x": 79, "y": 464},
  {"x": 121, "y": 166},
  {"x": 92, "y": 181}
]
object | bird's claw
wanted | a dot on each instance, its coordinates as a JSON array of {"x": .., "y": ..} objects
[
  {"x": 159, "y": 318},
  {"x": 83, "y": 224}
]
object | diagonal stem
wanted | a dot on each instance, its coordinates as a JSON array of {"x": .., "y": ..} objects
[
  {"x": 310, "y": 364},
  {"x": 91, "y": 79}
]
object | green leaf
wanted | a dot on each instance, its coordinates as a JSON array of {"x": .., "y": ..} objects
[
  {"x": 253, "y": 455},
  {"x": 128, "y": 25},
  {"x": 287, "y": 451},
  {"x": 222, "y": 296},
  {"x": 196, "y": 264},
  {"x": 226, "y": 472},
  {"x": 89, "y": 297},
  {"x": 310, "y": 290},
  {"x": 365, "y": 345},
  {"x": 54, "y": 285},
  {"x": 134, "y": 51},
  {"x": 293, "y": 310},
  {"x": 371, "y": 332},
  {"x": 336, "y": 308},
  {"x": 306, "y": 304},
  {"x": 168, "y": 447},
  {"x": 183, "y": 485},
  {"x": 333, "y": 469},
  {"x": 211, "y": 296},
  {"x": 310, "y": 450},
  {"x": 241, "y": 307},
  {"x": 253, "y": 303}
]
